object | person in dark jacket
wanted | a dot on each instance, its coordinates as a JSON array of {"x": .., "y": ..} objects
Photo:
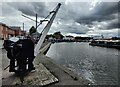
[
  {"x": 23, "y": 52},
  {"x": 27, "y": 54},
  {"x": 8, "y": 45}
]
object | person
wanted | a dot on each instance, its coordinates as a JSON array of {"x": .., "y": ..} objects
[
  {"x": 28, "y": 53},
  {"x": 8, "y": 45},
  {"x": 22, "y": 51}
]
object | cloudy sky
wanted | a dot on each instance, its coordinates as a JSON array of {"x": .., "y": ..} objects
[{"x": 93, "y": 18}]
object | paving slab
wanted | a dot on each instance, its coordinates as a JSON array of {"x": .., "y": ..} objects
[{"x": 41, "y": 76}]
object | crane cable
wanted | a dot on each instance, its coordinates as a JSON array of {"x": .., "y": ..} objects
[{"x": 46, "y": 18}]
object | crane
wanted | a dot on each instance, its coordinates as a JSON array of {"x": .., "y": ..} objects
[{"x": 46, "y": 29}]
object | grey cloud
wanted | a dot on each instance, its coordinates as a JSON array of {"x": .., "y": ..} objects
[
  {"x": 78, "y": 30},
  {"x": 102, "y": 12},
  {"x": 91, "y": 18},
  {"x": 40, "y": 9},
  {"x": 30, "y": 8},
  {"x": 72, "y": 27},
  {"x": 69, "y": 27},
  {"x": 114, "y": 24},
  {"x": 73, "y": 10},
  {"x": 106, "y": 8},
  {"x": 8, "y": 10}
]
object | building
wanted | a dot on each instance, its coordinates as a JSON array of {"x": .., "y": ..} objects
[
  {"x": 68, "y": 38},
  {"x": 17, "y": 30},
  {"x": 5, "y": 31},
  {"x": 23, "y": 33},
  {"x": 8, "y": 31}
]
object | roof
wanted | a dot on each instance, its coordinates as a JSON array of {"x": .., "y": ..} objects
[
  {"x": 11, "y": 27},
  {"x": 14, "y": 27},
  {"x": 2, "y": 23}
]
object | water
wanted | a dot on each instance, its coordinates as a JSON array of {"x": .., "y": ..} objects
[{"x": 97, "y": 64}]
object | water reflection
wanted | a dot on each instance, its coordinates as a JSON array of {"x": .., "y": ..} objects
[{"x": 97, "y": 64}]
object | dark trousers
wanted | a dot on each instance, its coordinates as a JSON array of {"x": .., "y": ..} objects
[
  {"x": 12, "y": 65},
  {"x": 30, "y": 63},
  {"x": 21, "y": 63},
  {"x": 12, "y": 62}
]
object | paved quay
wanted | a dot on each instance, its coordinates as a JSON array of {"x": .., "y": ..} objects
[
  {"x": 1, "y": 44},
  {"x": 47, "y": 72}
]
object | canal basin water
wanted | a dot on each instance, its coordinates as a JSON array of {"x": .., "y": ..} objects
[{"x": 97, "y": 64}]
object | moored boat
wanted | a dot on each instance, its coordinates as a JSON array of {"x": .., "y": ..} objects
[{"x": 106, "y": 43}]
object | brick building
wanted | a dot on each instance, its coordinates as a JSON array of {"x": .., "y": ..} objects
[
  {"x": 16, "y": 29},
  {"x": 6, "y": 31}
]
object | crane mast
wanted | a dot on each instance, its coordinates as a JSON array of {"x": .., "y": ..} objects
[{"x": 45, "y": 30}]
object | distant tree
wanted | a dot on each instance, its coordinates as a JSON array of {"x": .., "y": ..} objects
[
  {"x": 32, "y": 30},
  {"x": 58, "y": 35},
  {"x": 49, "y": 36}
]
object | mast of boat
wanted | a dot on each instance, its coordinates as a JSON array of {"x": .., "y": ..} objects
[{"x": 46, "y": 29}]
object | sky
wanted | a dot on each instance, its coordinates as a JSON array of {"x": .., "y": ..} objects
[{"x": 90, "y": 18}]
